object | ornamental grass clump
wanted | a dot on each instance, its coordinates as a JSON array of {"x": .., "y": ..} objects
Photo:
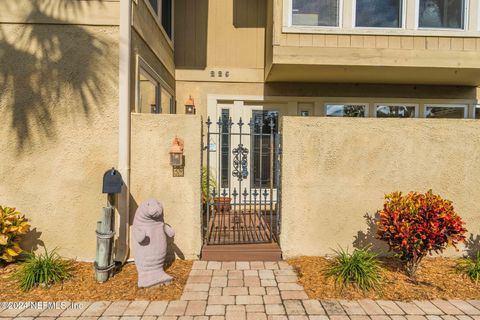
[
  {"x": 416, "y": 224},
  {"x": 13, "y": 225},
  {"x": 470, "y": 267},
  {"x": 360, "y": 269},
  {"x": 43, "y": 270}
]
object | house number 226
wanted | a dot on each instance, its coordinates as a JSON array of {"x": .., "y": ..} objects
[{"x": 219, "y": 74}]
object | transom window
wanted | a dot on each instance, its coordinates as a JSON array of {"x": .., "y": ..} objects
[
  {"x": 444, "y": 14},
  {"x": 395, "y": 111},
  {"x": 345, "y": 110},
  {"x": 315, "y": 13},
  {"x": 379, "y": 13}
]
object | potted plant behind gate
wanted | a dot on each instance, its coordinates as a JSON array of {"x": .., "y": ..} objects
[{"x": 209, "y": 185}]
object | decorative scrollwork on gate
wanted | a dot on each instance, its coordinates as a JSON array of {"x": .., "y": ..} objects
[{"x": 240, "y": 162}]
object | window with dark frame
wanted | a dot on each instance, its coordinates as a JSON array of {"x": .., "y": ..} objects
[
  {"x": 154, "y": 4},
  {"x": 167, "y": 21}
]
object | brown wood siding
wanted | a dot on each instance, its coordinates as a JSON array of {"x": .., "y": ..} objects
[
  {"x": 380, "y": 41},
  {"x": 220, "y": 33}
]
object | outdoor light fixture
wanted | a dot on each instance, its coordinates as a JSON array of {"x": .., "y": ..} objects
[
  {"x": 190, "y": 106},
  {"x": 176, "y": 153}
]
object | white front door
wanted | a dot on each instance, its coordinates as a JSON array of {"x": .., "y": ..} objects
[{"x": 245, "y": 164}]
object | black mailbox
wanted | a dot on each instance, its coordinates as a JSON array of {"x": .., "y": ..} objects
[{"x": 112, "y": 181}]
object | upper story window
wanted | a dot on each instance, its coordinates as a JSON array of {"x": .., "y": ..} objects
[
  {"x": 345, "y": 110},
  {"x": 164, "y": 10},
  {"x": 446, "y": 111},
  {"x": 396, "y": 111},
  {"x": 379, "y": 13},
  {"x": 443, "y": 14},
  {"x": 167, "y": 13},
  {"x": 323, "y": 13}
]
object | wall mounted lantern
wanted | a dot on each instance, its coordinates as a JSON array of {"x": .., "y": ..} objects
[
  {"x": 190, "y": 106},
  {"x": 176, "y": 153}
]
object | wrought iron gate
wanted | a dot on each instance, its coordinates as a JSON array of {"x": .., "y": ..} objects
[{"x": 242, "y": 180}]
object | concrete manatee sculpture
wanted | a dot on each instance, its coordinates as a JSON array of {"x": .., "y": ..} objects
[{"x": 150, "y": 243}]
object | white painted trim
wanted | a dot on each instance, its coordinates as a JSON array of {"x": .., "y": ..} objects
[
  {"x": 466, "y": 19},
  {"x": 395, "y": 104},
  {"x": 475, "y": 108},
  {"x": 366, "y": 106},
  {"x": 407, "y": 29},
  {"x": 436, "y": 105},
  {"x": 124, "y": 88},
  {"x": 403, "y": 17}
]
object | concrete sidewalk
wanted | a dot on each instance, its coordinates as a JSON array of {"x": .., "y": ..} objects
[{"x": 249, "y": 291}]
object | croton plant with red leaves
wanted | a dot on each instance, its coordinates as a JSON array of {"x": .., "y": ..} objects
[{"x": 416, "y": 224}]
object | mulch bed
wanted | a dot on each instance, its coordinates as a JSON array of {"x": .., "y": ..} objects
[
  {"x": 437, "y": 279},
  {"x": 83, "y": 287}
]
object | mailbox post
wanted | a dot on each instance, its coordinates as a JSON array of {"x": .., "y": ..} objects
[{"x": 104, "y": 265}]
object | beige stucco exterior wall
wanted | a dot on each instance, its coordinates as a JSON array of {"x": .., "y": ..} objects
[
  {"x": 80, "y": 12},
  {"x": 337, "y": 170},
  {"x": 151, "y": 175},
  {"x": 58, "y": 101}
]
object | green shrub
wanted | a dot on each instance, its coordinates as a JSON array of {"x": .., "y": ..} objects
[
  {"x": 13, "y": 226},
  {"x": 43, "y": 270},
  {"x": 360, "y": 269},
  {"x": 470, "y": 267},
  {"x": 208, "y": 184}
]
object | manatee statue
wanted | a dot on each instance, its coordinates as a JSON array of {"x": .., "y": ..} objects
[{"x": 150, "y": 244}]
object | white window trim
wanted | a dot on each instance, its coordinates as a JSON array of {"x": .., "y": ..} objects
[
  {"x": 365, "y": 105},
  {"x": 464, "y": 106},
  {"x": 475, "y": 108},
  {"x": 395, "y": 104},
  {"x": 409, "y": 28},
  {"x": 158, "y": 19},
  {"x": 154, "y": 76},
  {"x": 340, "y": 18},
  {"x": 466, "y": 21},
  {"x": 402, "y": 27}
]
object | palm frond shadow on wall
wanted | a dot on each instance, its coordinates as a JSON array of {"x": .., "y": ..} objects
[{"x": 47, "y": 67}]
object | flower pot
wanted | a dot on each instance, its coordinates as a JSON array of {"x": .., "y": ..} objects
[{"x": 222, "y": 204}]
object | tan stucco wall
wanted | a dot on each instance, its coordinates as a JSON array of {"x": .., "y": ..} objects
[
  {"x": 337, "y": 170},
  {"x": 86, "y": 12},
  {"x": 151, "y": 174},
  {"x": 58, "y": 101}
]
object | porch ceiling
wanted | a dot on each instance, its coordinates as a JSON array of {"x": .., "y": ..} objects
[{"x": 373, "y": 74}]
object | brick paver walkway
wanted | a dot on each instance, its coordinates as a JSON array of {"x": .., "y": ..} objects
[{"x": 250, "y": 291}]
